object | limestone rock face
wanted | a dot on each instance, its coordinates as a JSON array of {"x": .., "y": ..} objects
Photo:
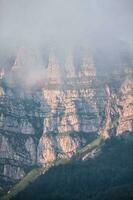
[
  {"x": 20, "y": 127},
  {"x": 87, "y": 67},
  {"x": 119, "y": 109},
  {"x": 69, "y": 67},
  {"x": 53, "y": 70},
  {"x": 125, "y": 103},
  {"x": 42, "y": 124},
  {"x": 57, "y": 146},
  {"x": 27, "y": 57},
  {"x": 69, "y": 111}
]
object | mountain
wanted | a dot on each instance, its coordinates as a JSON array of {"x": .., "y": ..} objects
[
  {"x": 52, "y": 108},
  {"x": 107, "y": 176}
]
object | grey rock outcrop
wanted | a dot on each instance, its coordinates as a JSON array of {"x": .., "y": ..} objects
[{"x": 39, "y": 125}]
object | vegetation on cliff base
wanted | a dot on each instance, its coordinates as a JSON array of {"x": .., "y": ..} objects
[{"x": 108, "y": 176}]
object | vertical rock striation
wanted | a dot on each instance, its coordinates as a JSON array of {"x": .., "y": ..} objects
[{"x": 55, "y": 119}]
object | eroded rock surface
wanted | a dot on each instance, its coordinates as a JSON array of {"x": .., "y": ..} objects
[{"x": 41, "y": 124}]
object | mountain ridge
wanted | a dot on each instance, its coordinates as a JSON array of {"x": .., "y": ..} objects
[{"x": 42, "y": 123}]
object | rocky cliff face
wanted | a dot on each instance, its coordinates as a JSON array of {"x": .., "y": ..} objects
[
  {"x": 54, "y": 120},
  {"x": 20, "y": 126},
  {"x": 119, "y": 109}
]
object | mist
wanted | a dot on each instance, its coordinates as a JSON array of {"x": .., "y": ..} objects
[
  {"x": 104, "y": 26},
  {"x": 65, "y": 22}
]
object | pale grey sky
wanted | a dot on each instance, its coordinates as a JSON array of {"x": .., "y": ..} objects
[
  {"x": 65, "y": 21},
  {"x": 98, "y": 24}
]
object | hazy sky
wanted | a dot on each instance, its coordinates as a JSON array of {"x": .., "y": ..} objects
[
  {"x": 98, "y": 24},
  {"x": 65, "y": 21}
]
